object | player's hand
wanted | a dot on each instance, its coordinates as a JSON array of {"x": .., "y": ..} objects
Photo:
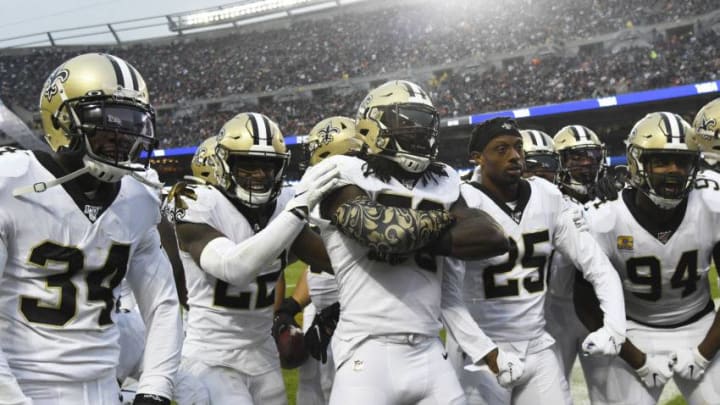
[
  {"x": 317, "y": 337},
  {"x": 506, "y": 365},
  {"x": 690, "y": 364},
  {"x": 656, "y": 371},
  {"x": 150, "y": 399},
  {"x": 313, "y": 187},
  {"x": 609, "y": 187},
  {"x": 285, "y": 316},
  {"x": 603, "y": 342}
]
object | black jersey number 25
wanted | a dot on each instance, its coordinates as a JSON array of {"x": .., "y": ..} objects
[
  {"x": 100, "y": 283},
  {"x": 529, "y": 261}
]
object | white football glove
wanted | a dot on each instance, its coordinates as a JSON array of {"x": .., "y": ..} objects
[
  {"x": 690, "y": 364},
  {"x": 510, "y": 368},
  {"x": 603, "y": 342},
  {"x": 656, "y": 371},
  {"x": 313, "y": 187}
]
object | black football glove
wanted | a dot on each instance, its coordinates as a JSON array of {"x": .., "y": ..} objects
[
  {"x": 317, "y": 337},
  {"x": 150, "y": 399},
  {"x": 285, "y": 316},
  {"x": 609, "y": 187}
]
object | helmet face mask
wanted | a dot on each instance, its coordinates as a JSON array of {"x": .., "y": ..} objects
[
  {"x": 97, "y": 105},
  {"x": 541, "y": 159},
  {"x": 398, "y": 121},
  {"x": 116, "y": 133},
  {"x": 583, "y": 164},
  {"x": 666, "y": 176},
  {"x": 582, "y": 158},
  {"x": 252, "y": 158},
  {"x": 255, "y": 175},
  {"x": 661, "y": 161}
]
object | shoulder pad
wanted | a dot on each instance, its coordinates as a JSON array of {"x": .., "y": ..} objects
[
  {"x": 191, "y": 202},
  {"x": 601, "y": 215},
  {"x": 14, "y": 162},
  {"x": 544, "y": 185},
  {"x": 472, "y": 196},
  {"x": 707, "y": 190}
]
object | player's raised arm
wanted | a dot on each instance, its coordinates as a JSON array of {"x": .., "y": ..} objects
[
  {"x": 462, "y": 232},
  {"x": 474, "y": 236},
  {"x": 238, "y": 263}
]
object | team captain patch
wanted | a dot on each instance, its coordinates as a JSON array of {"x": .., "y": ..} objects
[{"x": 625, "y": 242}]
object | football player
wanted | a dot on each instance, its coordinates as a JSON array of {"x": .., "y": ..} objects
[
  {"x": 582, "y": 162},
  {"x": 541, "y": 159},
  {"x": 660, "y": 236},
  {"x": 85, "y": 221},
  {"x": 505, "y": 294},
  {"x": 386, "y": 227},
  {"x": 316, "y": 291},
  {"x": 234, "y": 240},
  {"x": 202, "y": 166}
]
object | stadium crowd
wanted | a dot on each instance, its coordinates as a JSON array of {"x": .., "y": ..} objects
[
  {"x": 252, "y": 62},
  {"x": 673, "y": 61}
]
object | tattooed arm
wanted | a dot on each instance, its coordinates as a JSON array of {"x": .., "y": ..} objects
[{"x": 387, "y": 231}]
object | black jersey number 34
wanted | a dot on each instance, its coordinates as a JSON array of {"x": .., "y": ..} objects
[{"x": 100, "y": 283}]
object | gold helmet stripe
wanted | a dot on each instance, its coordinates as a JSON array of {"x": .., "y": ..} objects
[
  {"x": 538, "y": 139},
  {"x": 676, "y": 131},
  {"x": 260, "y": 129},
  {"x": 579, "y": 133},
  {"x": 123, "y": 72},
  {"x": 414, "y": 91}
]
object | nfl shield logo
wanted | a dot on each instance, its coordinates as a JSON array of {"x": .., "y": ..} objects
[{"x": 92, "y": 211}]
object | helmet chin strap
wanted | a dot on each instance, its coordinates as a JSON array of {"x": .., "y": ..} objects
[
  {"x": 39, "y": 187},
  {"x": 99, "y": 170}
]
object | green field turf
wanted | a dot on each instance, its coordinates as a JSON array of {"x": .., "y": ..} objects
[{"x": 291, "y": 376}]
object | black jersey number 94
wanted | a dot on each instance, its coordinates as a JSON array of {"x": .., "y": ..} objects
[{"x": 100, "y": 283}]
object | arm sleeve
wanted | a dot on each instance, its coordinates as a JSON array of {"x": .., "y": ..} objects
[
  {"x": 151, "y": 279},
  {"x": 573, "y": 239},
  {"x": 456, "y": 317},
  {"x": 238, "y": 264},
  {"x": 10, "y": 391},
  {"x": 390, "y": 229}
]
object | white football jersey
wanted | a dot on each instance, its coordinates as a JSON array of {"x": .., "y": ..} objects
[
  {"x": 323, "y": 289},
  {"x": 229, "y": 324},
  {"x": 66, "y": 257},
  {"x": 664, "y": 271},
  {"x": 561, "y": 276},
  {"x": 377, "y": 298},
  {"x": 505, "y": 294}
]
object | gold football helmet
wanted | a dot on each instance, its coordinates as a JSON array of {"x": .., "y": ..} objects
[
  {"x": 252, "y": 155},
  {"x": 398, "y": 121},
  {"x": 204, "y": 163},
  {"x": 706, "y": 134},
  {"x": 582, "y": 158},
  {"x": 659, "y": 141},
  {"x": 540, "y": 156},
  {"x": 97, "y": 104},
  {"x": 332, "y": 136}
]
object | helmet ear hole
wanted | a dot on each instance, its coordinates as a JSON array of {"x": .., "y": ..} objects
[{"x": 55, "y": 121}]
